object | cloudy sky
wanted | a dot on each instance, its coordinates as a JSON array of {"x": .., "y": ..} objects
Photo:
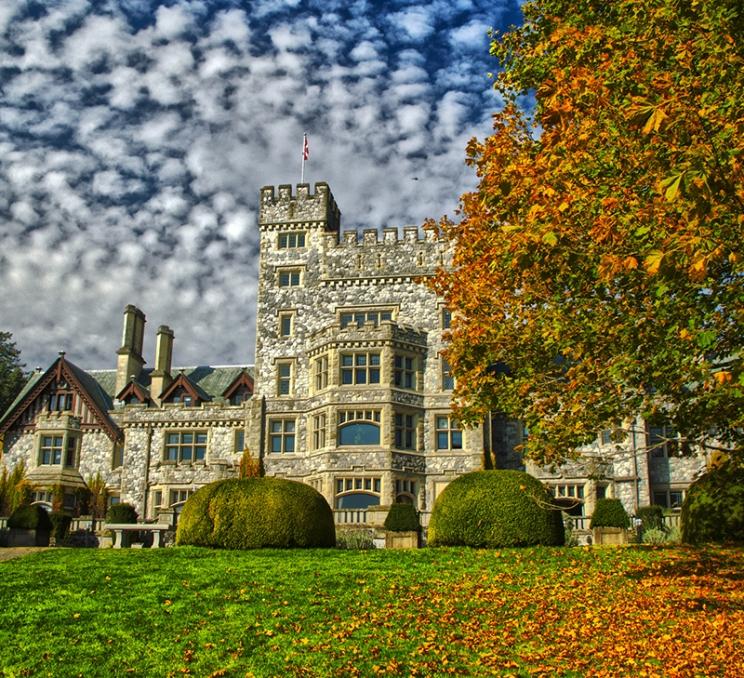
[{"x": 135, "y": 135}]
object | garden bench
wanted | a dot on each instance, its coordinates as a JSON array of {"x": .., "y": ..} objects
[{"x": 119, "y": 529}]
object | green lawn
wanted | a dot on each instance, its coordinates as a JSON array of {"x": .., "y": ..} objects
[{"x": 428, "y": 612}]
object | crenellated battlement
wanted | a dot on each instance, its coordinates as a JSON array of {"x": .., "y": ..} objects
[
  {"x": 370, "y": 237},
  {"x": 282, "y": 207}
]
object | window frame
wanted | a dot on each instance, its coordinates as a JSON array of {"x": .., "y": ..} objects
[
  {"x": 53, "y": 452},
  {"x": 65, "y": 455},
  {"x": 286, "y": 434},
  {"x": 349, "y": 418},
  {"x": 290, "y": 280},
  {"x": 448, "y": 379},
  {"x": 285, "y": 324},
  {"x": 404, "y": 372},
  {"x": 321, "y": 372},
  {"x": 173, "y": 449},
  {"x": 320, "y": 430},
  {"x": 285, "y": 240},
  {"x": 284, "y": 377},
  {"x": 663, "y": 441},
  {"x": 404, "y": 431},
  {"x": 355, "y": 369},
  {"x": 239, "y": 441},
  {"x": 345, "y": 486},
  {"x": 445, "y": 318},
  {"x": 451, "y": 430},
  {"x": 358, "y": 317}
]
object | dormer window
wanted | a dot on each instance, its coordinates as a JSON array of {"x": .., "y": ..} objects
[
  {"x": 240, "y": 390},
  {"x": 240, "y": 395},
  {"x": 181, "y": 397}
]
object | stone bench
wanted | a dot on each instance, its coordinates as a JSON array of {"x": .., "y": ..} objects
[{"x": 119, "y": 529}]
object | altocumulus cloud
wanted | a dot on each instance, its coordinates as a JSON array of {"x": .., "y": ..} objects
[{"x": 134, "y": 137}]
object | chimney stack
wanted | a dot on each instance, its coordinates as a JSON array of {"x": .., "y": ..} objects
[
  {"x": 161, "y": 377},
  {"x": 129, "y": 359}
]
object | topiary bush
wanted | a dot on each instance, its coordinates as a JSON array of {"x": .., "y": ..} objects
[
  {"x": 494, "y": 509},
  {"x": 651, "y": 517},
  {"x": 713, "y": 510},
  {"x": 121, "y": 513},
  {"x": 610, "y": 513},
  {"x": 256, "y": 513},
  {"x": 402, "y": 518},
  {"x": 30, "y": 517}
]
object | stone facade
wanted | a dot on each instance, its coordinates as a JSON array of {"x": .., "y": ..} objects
[
  {"x": 349, "y": 392},
  {"x": 349, "y": 336}
]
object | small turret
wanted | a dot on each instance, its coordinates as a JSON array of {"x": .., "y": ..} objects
[{"x": 284, "y": 208}]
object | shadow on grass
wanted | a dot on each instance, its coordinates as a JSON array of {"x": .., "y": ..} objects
[{"x": 720, "y": 568}]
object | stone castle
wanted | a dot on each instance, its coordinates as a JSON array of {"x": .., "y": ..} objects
[{"x": 349, "y": 393}]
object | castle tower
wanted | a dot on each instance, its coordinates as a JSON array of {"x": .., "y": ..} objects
[
  {"x": 129, "y": 360},
  {"x": 354, "y": 393}
]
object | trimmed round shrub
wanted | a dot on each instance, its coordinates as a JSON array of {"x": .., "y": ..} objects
[
  {"x": 610, "y": 513},
  {"x": 31, "y": 517},
  {"x": 402, "y": 518},
  {"x": 651, "y": 517},
  {"x": 494, "y": 509},
  {"x": 713, "y": 510},
  {"x": 256, "y": 513},
  {"x": 121, "y": 513}
]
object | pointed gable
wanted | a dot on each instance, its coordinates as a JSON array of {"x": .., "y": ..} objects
[
  {"x": 183, "y": 390},
  {"x": 134, "y": 393},
  {"x": 240, "y": 389},
  {"x": 64, "y": 387}
]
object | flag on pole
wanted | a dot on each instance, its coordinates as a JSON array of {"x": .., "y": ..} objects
[{"x": 305, "y": 156}]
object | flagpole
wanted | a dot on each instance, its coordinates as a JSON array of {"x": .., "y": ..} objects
[
  {"x": 304, "y": 145},
  {"x": 305, "y": 156}
]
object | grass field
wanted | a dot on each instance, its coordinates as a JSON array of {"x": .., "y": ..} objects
[{"x": 540, "y": 611}]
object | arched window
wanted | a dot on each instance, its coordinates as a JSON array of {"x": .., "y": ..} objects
[
  {"x": 359, "y": 427},
  {"x": 357, "y": 493}
]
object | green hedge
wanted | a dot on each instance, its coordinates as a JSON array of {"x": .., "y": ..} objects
[
  {"x": 713, "y": 510},
  {"x": 402, "y": 518},
  {"x": 610, "y": 513},
  {"x": 256, "y": 513},
  {"x": 31, "y": 517},
  {"x": 121, "y": 513},
  {"x": 494, "y": 509}
]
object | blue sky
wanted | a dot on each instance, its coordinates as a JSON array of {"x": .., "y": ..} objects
[{"x": 135, "y": 135}]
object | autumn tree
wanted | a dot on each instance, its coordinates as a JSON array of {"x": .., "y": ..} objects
[
  {"x": 598, "y": 266},
  {"x": 11, "y": 371}
]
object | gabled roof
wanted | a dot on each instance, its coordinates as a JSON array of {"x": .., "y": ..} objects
[
  {"x": 134, "y": 389},
  {"x": 192, "y": 388},
  {"x": 214, "y": 381},
  {"x": 242, "y": 379},
  {"x": 87, "y": 388}
]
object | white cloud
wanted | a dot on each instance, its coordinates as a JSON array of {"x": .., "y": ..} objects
[
  {"x": 171, "y": 22},
  {"x": 131, "y": 157},
  {"x": 417, "y": 22},
  {"x": 98, "y": 37},
  {"x": 473, "y": 35}
]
